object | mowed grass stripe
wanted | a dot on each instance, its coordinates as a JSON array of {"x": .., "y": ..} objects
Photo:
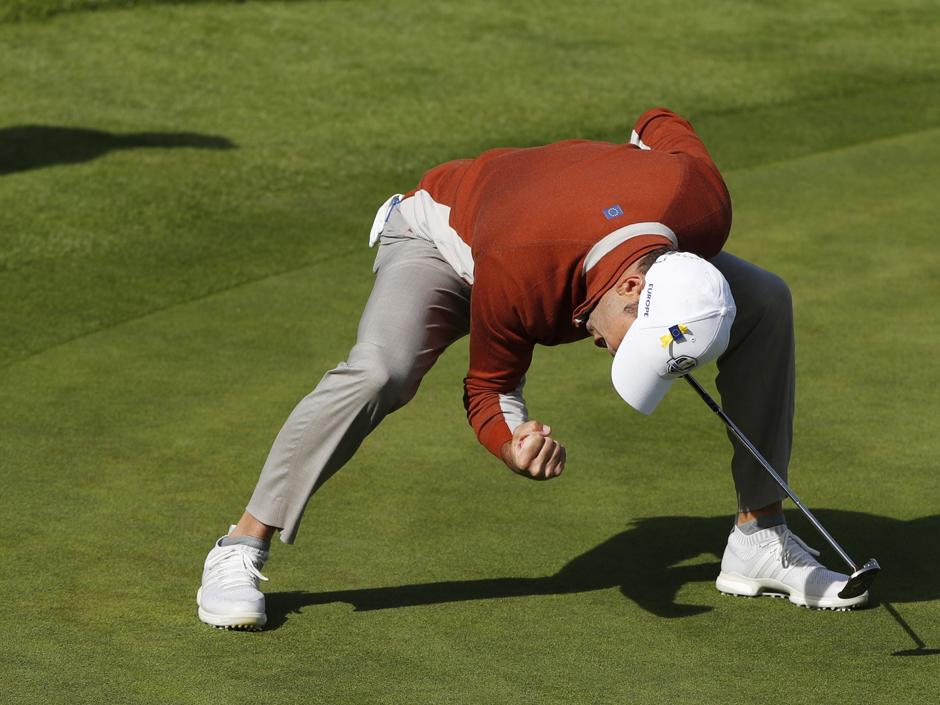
[
  {"x": 325, "y": 123},
  {"x": 779, "y": 146}
]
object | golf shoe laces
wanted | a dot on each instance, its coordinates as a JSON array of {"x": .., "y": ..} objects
[
  {"x": 233, "y": 566},
  {"x": 792, "y": 550}
]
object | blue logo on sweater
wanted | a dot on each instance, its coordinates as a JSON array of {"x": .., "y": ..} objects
[{"x": 614, "y": 211}]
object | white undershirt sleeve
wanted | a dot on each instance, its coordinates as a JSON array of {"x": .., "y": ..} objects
[{"x": 513, "y": 407}]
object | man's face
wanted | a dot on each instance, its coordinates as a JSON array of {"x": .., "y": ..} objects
[{"x": 616, "y": 311}]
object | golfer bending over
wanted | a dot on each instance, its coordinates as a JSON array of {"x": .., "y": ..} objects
[{"x": 621, "y": 243}]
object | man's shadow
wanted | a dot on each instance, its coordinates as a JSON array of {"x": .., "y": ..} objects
[
  {"x": 653, "y": 559},
  {"x": 25, "y": 147}
]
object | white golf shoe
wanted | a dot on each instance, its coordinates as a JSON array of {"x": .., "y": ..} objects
[
  {"x": 229, "y": 597},
  {"x": 776, "y": 562}
]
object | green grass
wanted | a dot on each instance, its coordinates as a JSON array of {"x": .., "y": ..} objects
[{"x": 185, "y": 192}]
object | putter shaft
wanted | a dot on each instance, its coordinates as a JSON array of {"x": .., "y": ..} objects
[{"x": 713, "y": 405}]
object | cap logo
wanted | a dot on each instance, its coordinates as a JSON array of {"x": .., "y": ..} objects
[
  {"x": 614, "y": 211},
  {"x": 680, "y": 365},
  {"x": 676, "y": 334}
]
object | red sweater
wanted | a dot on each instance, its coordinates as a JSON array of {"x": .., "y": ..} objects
[{"x": 551, "y": 228}]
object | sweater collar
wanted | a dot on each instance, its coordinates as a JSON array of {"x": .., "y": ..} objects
[{"x": 599, "y": 276}]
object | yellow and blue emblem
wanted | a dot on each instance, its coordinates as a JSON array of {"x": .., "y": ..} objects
[{"x": 676, "y": 334}]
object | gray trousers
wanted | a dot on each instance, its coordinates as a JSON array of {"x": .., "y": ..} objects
[{"x": 419, "y": 306}]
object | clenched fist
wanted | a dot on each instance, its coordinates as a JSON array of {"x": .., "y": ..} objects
[{"x": 533, "y": 453}]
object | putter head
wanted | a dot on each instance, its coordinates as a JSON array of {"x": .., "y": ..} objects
[{"x": 861, "y": 579}]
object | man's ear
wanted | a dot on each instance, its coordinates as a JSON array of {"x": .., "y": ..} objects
[{"x": 631, "y": 284}]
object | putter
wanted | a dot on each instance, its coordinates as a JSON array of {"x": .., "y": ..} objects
[{"x": 862, "y": 576}]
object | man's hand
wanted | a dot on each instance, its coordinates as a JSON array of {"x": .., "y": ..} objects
[{"x": 533, "y": 453}]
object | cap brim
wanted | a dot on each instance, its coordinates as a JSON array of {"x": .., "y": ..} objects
[{"x": 637, "y": 381}]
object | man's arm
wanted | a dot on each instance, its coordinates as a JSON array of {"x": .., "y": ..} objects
[
  {"x": 662, "y": 130},
  {"x": 500, "y": 354},
  {"x": 701, "y": 215}
]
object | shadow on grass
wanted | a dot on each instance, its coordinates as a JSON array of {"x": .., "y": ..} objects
[
  {"x": 25, "y": 147},
  {"x": 653, "y": 559},
  {"x": 25, "y": 10}
]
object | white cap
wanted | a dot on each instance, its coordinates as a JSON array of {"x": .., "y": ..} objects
[{"x": 683, "y": 320}]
